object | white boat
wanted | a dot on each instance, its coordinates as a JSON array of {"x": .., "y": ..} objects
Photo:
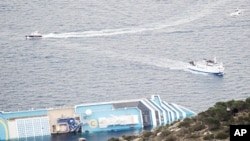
[
  {"x": 236, "y": 12},
  {"x": 35, "y": 34},
  {"x": 207, "y": 66}
]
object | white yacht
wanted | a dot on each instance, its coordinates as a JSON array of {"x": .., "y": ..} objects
[
  {"x": 207, "y": 66},
  {"x": 35, "y": 34}
]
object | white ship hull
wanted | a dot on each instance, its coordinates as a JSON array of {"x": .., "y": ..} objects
[{"x": 206, "y": 66}]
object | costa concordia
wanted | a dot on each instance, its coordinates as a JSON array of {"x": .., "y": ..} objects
[{"x": 92, "y": 117}]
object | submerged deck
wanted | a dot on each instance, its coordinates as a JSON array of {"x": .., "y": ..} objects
[{"x": 94, "y": 117}]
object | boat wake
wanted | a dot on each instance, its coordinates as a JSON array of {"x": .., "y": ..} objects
[
  {"x": 153, "y": 61},
  {"x": 158, "y": 62},
  {"x": 169, "y": 25},
  {"x": 100, "y": 33},
  {"x": 147, "y": 60},
  {"x": 120, "y": 31},
  {"x": 168, "y": 28}
]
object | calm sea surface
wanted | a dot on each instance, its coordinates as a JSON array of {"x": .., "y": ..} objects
[{"x": 95, "y": 51}]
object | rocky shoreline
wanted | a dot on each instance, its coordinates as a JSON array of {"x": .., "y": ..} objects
[{"x": 210, "y": 125}]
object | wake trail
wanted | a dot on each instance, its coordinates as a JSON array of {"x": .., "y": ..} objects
[
  {"x": 119, "y": 31},
  {"x": 149, "y": 60},
  {"x": 105, "y": 32},
  {"x": 155, "y": 61},
  {"x": 169, "y": 26},
  {"x": 158, "y": 62}
]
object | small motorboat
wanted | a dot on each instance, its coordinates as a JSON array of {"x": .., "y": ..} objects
[
  {"x": 207, "y": 66},
  {"x": 236, "y": 12},
  {"x": 35, "y": 34}
]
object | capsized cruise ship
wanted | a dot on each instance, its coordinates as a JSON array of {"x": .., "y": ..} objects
[{"x": 93, "y": 117}]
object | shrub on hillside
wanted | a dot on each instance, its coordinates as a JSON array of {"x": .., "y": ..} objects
[
  {"x": 147, "y": 134},
  {"x": 183, "y": 131},
  {"x": 219, "y": 111},
  {"x": 198, "y": 127},
  {"x": 193, "y": 136},
  {"x": 221, "y": 135},
  {"x": 160, "y": 128},
  {"x": 170, "y": 138},
  {"x": 239, "y": 104},
  {"x": 165, "y": 133},
  {"x": 213, "y": 123},
  {"x": 129, "y": 138},
  {"x": 208, "y": 137},
  {"x": 185, "y": 123},
  {"x": 244, "y": 119},
  {"x": 248, "y": 101}
]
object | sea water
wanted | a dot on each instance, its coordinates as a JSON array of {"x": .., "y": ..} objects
[{"x": 96, "y": 51}]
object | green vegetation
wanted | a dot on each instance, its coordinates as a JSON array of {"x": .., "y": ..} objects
[
  {"x": 212, "y": 124},
  {"x": 221, "y": 135}
]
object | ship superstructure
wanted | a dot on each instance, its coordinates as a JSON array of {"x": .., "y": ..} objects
[{"x": 93, "y": 117}]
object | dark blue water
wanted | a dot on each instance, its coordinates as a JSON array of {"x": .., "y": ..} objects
[{"x": 96, "y": 51}]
